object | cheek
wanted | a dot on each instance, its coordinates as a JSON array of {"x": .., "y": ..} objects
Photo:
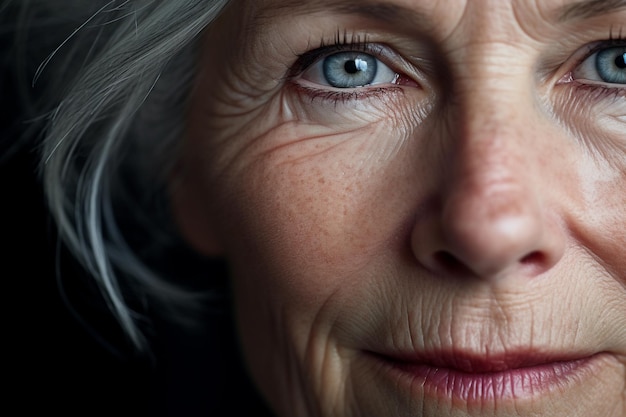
[
  {"x": 310, "y": 188},
  {"x": 598, "y": 213},
  {"x": 306, "y": 206},
  {"x": 601, "y": 216},
  {"x": 315, "y": 204}
]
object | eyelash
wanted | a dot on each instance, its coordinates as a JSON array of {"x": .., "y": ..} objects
[
  {"x": 597, "y": 90},
  {"x": 344, "y": 41}
]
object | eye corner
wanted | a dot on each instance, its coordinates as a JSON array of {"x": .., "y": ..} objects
[
  {"x": 566, "y": 78},
  {"x": 603, "y": 64}
]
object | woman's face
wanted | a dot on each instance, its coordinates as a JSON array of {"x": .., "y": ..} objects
[{"x": 423, "y": 202}]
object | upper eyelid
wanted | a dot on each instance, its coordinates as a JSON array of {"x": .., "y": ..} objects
[
  {"x": 599, "y": 45},
  {"x": 398, "y": 63},
  {"x": 580, "y": 56}
]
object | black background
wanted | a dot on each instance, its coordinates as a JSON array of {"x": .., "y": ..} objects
[{"x": 63, "y": 351}]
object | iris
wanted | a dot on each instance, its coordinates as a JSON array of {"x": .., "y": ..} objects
[
  {"x": 611, "y": 65},
  {"x": 350, "y": 69}
]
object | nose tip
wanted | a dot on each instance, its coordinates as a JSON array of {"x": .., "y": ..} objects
[
  {"x": 493, "y": 237},
  {"x": 488, "y": 235}
]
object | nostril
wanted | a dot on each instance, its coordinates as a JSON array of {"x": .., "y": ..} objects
[
  {"x": 448, "y": 263},
  {"x": 536, "y": 258},
  {"x": 535, "y": 262}
]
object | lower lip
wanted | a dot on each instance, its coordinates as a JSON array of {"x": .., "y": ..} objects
[{"x": 478, "y": 387}]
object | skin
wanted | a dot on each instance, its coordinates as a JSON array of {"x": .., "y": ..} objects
[{"x": 477, "y": 204}]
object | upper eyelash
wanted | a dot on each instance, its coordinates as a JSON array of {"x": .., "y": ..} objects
[
  {"x": 619, "y": 41},
  {"x": 592, "y": 49},
  {"x": 619, "y": 37},
  {"x": 343, "y": 41},
  {"x": 345, "y": 38},
  {"x": 346, "y": 41},
  {"x": 613, "y": 40}
]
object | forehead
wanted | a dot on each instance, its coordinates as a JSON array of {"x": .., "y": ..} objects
[
  {"x": 557, "y": 10},
  {"x": 506, "y": 21}
]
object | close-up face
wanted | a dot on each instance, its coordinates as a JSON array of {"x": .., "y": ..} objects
[{"x": 422, "y": 203}]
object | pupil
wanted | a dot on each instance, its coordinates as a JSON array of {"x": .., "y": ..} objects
[
  {"x": 620, "y": 61},
  {"x": 351, "y": 67},
  {"x": 355, "y": 65}
]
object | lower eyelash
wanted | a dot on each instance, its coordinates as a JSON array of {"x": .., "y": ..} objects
[
  {"x": 599, "y": 91},
  {"x": 342, "y": 97}
]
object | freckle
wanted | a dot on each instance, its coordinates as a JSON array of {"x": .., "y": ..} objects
[{"x": 322, "y": 180}]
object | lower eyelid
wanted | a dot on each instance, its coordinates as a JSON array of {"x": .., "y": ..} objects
[
  {"x": 347, "y": 96},
  {"x": 586, "y": 69}
]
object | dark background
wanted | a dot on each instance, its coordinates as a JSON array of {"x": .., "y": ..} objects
[{"x": 63, "y": 351}]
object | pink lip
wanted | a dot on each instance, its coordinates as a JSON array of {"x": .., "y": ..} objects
[{"x": 476, "y": 379}]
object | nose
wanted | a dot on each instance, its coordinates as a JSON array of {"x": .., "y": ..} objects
[{"x": 492, "y": 216}]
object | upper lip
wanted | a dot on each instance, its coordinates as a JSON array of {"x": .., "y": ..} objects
[{"x": 471, "y": 362}]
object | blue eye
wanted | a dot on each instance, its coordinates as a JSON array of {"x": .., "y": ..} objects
[
  {"x": 349, "y": 69},
  {"x": 607, "y": 65}
]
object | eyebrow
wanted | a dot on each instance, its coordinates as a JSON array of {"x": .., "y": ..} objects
[
  {"x": 373, "y": 9},
  {"x": 588, "y": 9},
  {"x": 379, "y": 10}
]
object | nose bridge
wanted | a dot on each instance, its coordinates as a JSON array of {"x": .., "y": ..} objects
[
  {"x": 493, "y": 138},
  {"x": 491, "y": 202},
  {"x": 493, "y": 217},
  {"x": 492, "y": 97}
]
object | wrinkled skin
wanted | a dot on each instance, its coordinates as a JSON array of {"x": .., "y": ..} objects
[{"x": 474, "y": 203}]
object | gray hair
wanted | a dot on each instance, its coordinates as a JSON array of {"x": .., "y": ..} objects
[{"x": 117, "y": 92}]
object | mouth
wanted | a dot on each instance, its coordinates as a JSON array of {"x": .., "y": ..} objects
[{"x": 471, "y": 378}]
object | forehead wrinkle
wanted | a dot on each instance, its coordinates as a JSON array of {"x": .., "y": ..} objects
[
  {"x": 588, "y": 9},
  {"x": 384, "y": 11},
  {"x": 392, "y": 12}
]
